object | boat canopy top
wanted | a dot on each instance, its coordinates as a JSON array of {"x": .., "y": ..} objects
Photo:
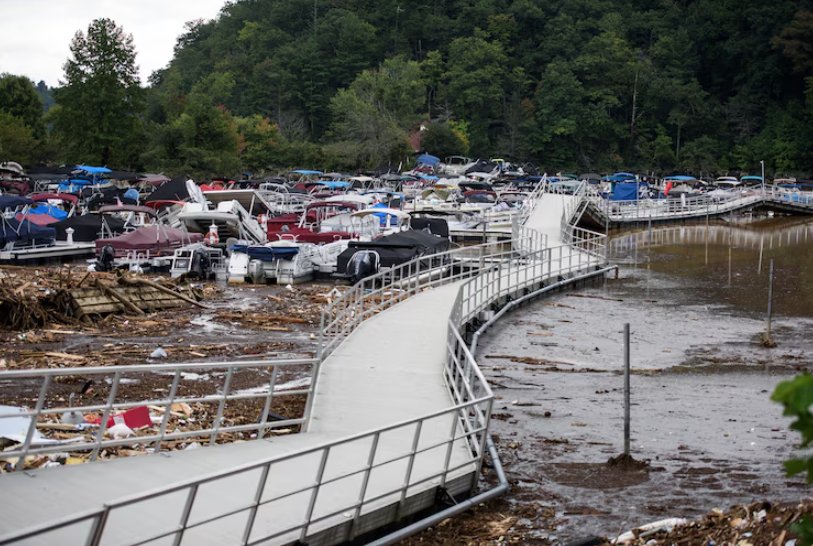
[
  {"x": 427, "y": 159},
  {"x": 87, "y": 227},
  {"x": 306, "y": 172},
  {"x": 590, "y": 177},
  {"x": 381, "y": 211},
  {"x": 13, "y": 201},
  {"x": 128, "y": 208},
  {"x": 678, "y": 178},
  {"x": 332, "y": 184},
  {"x": 93, "y": 170},
  {"x": 55, "y": 196}
]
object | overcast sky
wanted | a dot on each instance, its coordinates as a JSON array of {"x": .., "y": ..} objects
[{"x": 37, "y": 33}]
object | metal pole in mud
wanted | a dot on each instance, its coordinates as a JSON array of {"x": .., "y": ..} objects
[
  {"x": 761, "y": 245},
  {"x": 627, "y": 388},
  {"x": 770, "y": 303},
  {"x": 649, "y": 257},
  {"x": 707, "y": 236}
]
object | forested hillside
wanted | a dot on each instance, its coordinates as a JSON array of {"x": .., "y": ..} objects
[{"x": 601, "y": 85}]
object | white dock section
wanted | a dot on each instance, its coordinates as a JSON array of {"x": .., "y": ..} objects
[
  {"x": 389, "y": 370},
  {"x": 546, "y": 217}
]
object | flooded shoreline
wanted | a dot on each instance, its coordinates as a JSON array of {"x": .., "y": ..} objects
[{"x": 701, "y": 385}]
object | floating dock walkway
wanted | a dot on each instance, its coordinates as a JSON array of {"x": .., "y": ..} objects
[
  {"x": 603, "y": 213},
  {"x": 397, "y": 417}
]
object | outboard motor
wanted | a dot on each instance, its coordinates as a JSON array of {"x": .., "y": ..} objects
[
  {"x": 199, "y": 268},
  {"x": 362, "y": 264},
  {"x": 105, "y": 262}
]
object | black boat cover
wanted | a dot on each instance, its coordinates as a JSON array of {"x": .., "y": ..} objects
[
  {"x": 87, "y": 228},
  {"x": 174, "y": 190},
  {"x": 395, "y": 249}
]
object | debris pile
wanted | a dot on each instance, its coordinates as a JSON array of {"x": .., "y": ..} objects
[
  {"x": 757, "y": 524},
  {"x": 31, "y": 299}
]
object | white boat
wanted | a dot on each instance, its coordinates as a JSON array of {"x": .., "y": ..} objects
[
  {"x": 284, "y": 261},
  {"x": 457, "y": 164},
  {"x": 230, "y": 218}
]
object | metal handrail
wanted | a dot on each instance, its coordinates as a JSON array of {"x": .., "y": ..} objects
[{"x": 109, "y": 408}]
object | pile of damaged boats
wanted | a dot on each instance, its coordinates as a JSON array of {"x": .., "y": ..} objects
[{"x": 286, "y": 229}]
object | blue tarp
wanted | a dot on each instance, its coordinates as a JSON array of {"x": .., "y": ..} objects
[
  {"x": 50, "y": 210},
  {"x": 306, "y": 172},
  {"x": 13, "y": 201},
  {"x": 132, "y": 193},
  {"x": 332, "y": 184},
  {"x": 25, "y": 232},
  {"x": 678, "y": 177},
  {"x": 93, "y": 170},
  {"x": 628, "y": 192},
  {"x": 427, "y": 159}
]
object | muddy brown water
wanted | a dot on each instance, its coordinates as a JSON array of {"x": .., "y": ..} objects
[{"x": 701, "y": 411}]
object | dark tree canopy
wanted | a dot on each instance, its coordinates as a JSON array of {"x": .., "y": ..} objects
[
  {"x": 101, "y": 98},
  {"x": 702, "y": 86},
  {"x": 19, "y": 98}
]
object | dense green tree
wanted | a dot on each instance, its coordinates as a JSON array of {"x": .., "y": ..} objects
[
  {"x": 259, "y": 143},
  {"x": 17, "y": 141},
  {"x": 441, "y": 140},
  {"x": 373, "y": 116},
  {"x": 100, "y": 100},
  {"x": 19, "y": 98},
  {"x": 202, "y": 140},
  {"x": 477, "y": 70},
  {"x": 591, "y": 84},
  {"x": 46, "y": 95}
]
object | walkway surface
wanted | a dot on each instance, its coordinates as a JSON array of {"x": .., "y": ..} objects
[
  {"x": 546, "y": 217},
  {"x": 387, "y": 371}
]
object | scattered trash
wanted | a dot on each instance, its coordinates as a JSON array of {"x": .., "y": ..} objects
[
  {"x": 158, "y": 353},
  {"x": 120, "y": 431},
  {"x": 72, "y": 417},
  {"x": 662, "y": 525},
  {"x": 134, "y": 418}
]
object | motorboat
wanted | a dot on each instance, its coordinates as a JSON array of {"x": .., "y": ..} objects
[
  {"x": 457, "y": 164},
  {"x": 229, "y": 217},
  {"x": 284, "y": 261},
  {"x": 147, "y": 247},
  {"x": 364, "y": 258}
]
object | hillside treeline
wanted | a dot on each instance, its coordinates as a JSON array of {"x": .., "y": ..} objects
[{"x": 699, "y": 86}]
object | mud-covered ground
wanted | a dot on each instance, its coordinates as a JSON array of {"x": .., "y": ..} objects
[{"x": 701, "y": 415}]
